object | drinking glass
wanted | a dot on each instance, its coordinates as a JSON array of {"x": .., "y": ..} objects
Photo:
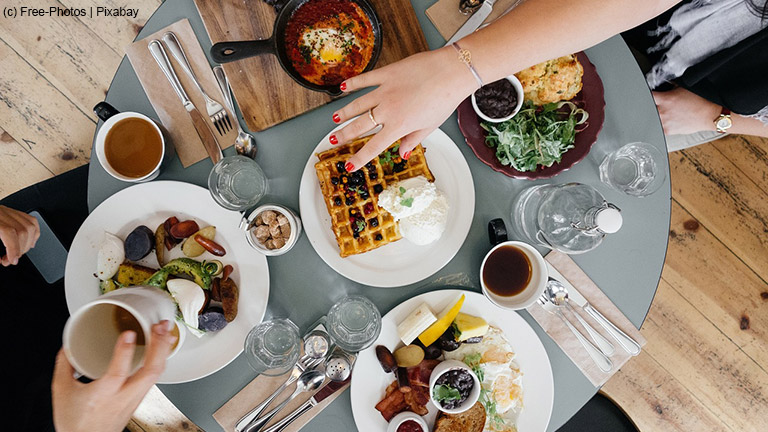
[
  {"x": 635, "y": 169},
  {"x": 353, "y": 323},
  {"x": 272, "y": 347},
  {"x": 237, "y": 183}
]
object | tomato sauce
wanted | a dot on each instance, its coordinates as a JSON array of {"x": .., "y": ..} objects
[
  {"x": 329, "y": 41},
  {"x": 409, "y": 426}
]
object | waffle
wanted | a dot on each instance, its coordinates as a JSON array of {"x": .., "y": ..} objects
[{"x": 357, "y": 221}]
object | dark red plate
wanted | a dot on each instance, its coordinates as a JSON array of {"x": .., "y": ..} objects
[{"x": 589, "y": 98}]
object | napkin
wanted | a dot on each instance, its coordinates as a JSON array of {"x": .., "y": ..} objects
[
  {"x": 564, "y": 269},
  {"x": 178, "y": 126},
  {"x": 259, "y": 389},
  {"x": 446, "y": 17}
]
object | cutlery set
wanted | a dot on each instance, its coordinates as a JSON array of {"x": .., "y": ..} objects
[
  {"x": 557, "y": 298},
  {"x": 216, "y": 112},
  {"x": 320, "y": 371}
]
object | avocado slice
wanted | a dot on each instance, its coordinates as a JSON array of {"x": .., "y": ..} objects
[{"x": 181, "y": 266}]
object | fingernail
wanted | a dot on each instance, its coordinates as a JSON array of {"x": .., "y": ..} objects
[
  {"x": 406, "y": 155},
  {"x": 130, "y": 337},
  {"x": 349, "y": 167},
  {"x": 343, "y": 86},
  {"x": 333, "y": 140},
  {"x": 336, "y": 118}
]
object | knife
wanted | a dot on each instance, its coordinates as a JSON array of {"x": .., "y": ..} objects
[
  {"x": 326, "y": 390},
  {"x": 473, "y": 22},
  {"x": 201, "y": 126},
  {"x": 626, "y": 342}
]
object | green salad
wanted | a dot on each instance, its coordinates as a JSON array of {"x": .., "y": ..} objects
[{"x": 537, "y": 135}]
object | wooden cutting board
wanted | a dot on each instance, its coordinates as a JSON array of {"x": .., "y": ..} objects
[{"x": 266, "y": 94}]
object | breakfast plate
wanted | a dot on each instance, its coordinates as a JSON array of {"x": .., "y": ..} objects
[
  {"x": 590, "y": 98},
  {"x": 150, "y": 204},
  {"x": 369, "y": 381},
  {"x": 401, "y": 262}
]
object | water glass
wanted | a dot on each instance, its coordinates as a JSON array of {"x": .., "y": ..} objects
[
  {"x": 272, "y": 347},
  {"x": 636, "y": 169},
  {"x": 237, "y": 183},
  {"x": 354, "y": 323}
]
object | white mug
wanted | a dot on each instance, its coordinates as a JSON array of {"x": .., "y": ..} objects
[
  {"x": 91, "y": 332},
  {"x": 535, "y": 287},
  {"x": 111, "y": 117}
]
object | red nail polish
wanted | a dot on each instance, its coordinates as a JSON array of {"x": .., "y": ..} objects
[
  {"x": 407, "y": 155},
  {"x": 333, "y": 140},
  {"x": 336, "y": 118},
  {"x": 343, "y": 86},
  {"x": 349, "y": 167}
]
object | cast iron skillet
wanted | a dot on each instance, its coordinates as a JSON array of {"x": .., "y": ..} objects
[{"x": 225, "y": 52}]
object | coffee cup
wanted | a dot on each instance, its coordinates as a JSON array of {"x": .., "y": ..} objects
[
  {"x": 129, "y": 145},
  {"x": 513, "y": 275},
  {"x": 91, "y": 332}
]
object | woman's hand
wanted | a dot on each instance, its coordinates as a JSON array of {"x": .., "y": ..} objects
[
  {"x": 107, "y": 404},
  {"x": 413, "y": 97},
  {"x": 18, "y": 232},
  {"x": 683, "y": 112}
]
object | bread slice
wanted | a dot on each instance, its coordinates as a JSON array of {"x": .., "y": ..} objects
[{"x": 471, "y": 420}]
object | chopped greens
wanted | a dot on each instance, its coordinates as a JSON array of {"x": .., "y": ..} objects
[
  {"x": 387, "y": 157},
  {"x": 486, "y": 399},
  {"x": 537, "y": 135},
  {"x": 473, "y": 361},
  {"x": 444, "y": 392}
]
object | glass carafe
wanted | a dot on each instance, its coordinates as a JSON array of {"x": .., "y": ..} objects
[{"x": 571, "y": 218}]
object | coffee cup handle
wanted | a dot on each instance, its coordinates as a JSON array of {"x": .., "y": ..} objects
[{"x": 104, "y": 110}]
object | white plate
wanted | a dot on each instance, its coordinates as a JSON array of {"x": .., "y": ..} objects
[
  {"x": 369, "y": 381},
  {"x": 402, "y": 262},
  {"x": 150, "y": 204}
]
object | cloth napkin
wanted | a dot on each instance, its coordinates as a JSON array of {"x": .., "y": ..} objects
[
  {"x": 564, "y": 269},
  {"x": 179, "y": 129},
  {"x": 260, "y": 388},
  {"x": 446, "y": 17}
]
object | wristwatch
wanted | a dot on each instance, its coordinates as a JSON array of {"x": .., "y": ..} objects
[{"x": 723, "y": 122}]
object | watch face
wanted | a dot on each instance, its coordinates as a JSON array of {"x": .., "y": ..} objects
[{"x": 723, "y": 123}]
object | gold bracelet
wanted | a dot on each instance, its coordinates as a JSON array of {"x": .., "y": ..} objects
[{"x": 466, "y": 57}]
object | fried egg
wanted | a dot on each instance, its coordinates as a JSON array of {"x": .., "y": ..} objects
[
  {"x": 502, "y": 380},
  {"x": 328, "y": 45}
]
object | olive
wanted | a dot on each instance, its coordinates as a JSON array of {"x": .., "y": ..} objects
[
  {"x": 433, "y": 351},
  {"x": 447, "y": 341}
]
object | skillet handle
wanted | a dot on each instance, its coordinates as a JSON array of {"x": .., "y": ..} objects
[{"x": 225, "y": 52}]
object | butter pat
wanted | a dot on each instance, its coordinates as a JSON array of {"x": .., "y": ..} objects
[
  {"x": 468, "y": 326},
  {"x": 418, "y": 321}
]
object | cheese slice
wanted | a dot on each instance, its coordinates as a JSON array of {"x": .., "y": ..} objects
[
  {"x": 469, "y": 326},
  {"x": 415, "y": 323}
]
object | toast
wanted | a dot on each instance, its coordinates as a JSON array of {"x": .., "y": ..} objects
[{"x": 471, "y": 420}]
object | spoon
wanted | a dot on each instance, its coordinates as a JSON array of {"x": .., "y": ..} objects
[
  {"x": 244, "y": 143},
  {"x": 602, "y": 361},
  {"x": 560, "y": 293},
  {"x": 309, "y": 381}
]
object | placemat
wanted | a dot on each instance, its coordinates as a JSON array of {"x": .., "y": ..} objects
[
  {"x": 178, "y": 126},
  {"x": 446, "y": 17},
  {"x": 564, "y": 269}
]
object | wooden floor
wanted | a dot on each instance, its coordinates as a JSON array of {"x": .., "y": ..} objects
[{"x": 705, "y": 365}]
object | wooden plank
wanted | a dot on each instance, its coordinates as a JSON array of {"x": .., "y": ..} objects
[
  {"x": 721, "y": 197},
  {"x": 265, "y": 92},
  {"x": 656, "y": 401},
  {"x": 40, "y": 117},
  {"x": 67, "y": 53},
  {"x": 749, "y": 153},
  {"x": 718, "y": 284},
  {"x": 706, "y": 362},
  {"x": 157, "y": 414},
  {"x": 25, "y": 168}
]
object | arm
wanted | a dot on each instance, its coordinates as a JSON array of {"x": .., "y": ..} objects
[
  {"x": 18, "y": 232},
  {"x": 415, "y": 95},
  {"x": 683, "y": 112}
]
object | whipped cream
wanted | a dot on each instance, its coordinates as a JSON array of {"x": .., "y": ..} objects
[{"x": 419, "y": 206}]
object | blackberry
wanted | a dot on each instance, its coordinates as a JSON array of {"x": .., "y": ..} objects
[
  {"x": 378, "y": 188},
  {"x": 349, "y": 201},
  {"x": 340, "y": 167},
  {"x": 335, "y": 180}
]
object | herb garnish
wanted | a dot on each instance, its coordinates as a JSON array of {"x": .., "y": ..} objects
[
  {"x": 386, "y": 157},
  {"x": 473, "y": 361},
  {"x": 444, "y": 393},
  {"x": 537, "y": 135},
  {"x": 486, "y": 399}
]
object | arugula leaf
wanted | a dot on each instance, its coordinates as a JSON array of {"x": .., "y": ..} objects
[
  {"x": 444, "y": 392},
  {"x": 537, "y": 135},
  {"x": 486, "y": 399},
  {"x": 473, "y": 361}
]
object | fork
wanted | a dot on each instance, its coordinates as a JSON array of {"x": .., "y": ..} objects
[
  {"x": 217, "y": 113},
  {"x": 304, "y": 363},
  {"x": 602, "y": 361}
]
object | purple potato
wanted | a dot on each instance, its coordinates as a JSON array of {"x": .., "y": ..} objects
[
  {"x": 212, "y": 320},
  {"x": 139, "y": 243}
]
